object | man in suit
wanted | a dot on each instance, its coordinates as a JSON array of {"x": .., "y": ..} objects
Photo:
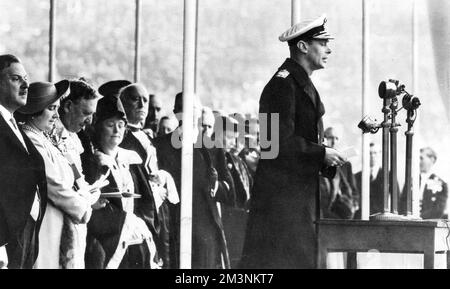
[
  {"x": 135, "y": 100},
  {"x": 234, "y": 218},
  {"x": 281, "y": 232},
  {"x": 211, "y": 183},
  {"x": 23, "y": 188},
  {"x": 155, "y": 112},
  {"x": 376, "y": 183},
  {"x": 433, "y": 190},
  {"x": 337, "y": 194}
]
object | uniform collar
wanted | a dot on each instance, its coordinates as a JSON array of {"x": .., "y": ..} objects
[
  {"x": 302, "y": 78},
  {"x": 297, "y": 71}
]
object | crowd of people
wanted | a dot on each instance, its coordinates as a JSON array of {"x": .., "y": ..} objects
[{"x": 90, "y": 177}]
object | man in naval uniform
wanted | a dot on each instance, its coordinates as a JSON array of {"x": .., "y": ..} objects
[{"x": 281, "y": 230}]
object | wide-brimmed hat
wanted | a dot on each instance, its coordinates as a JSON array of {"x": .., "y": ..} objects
[
  {"x": 112, "y": 88},
  {"x": 42, "y": 94},
  {"x": 108, "y": 107}
]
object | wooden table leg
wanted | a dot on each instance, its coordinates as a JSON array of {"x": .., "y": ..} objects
[
  {"x": 351, "y": 260},
  {"x": 428, "y": 258},
  {"x": 448, "y": 259},
  {"x": 322, "y": 258}
]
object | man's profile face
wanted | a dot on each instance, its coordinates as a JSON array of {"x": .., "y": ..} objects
[
  {"x": 154, "y": 110},
  {"x": 331, "y": 138},
  {"x": 78, "y": 115},
  {"x": 207, "y": 123},
  {"x": 136, "y": 104},
  {"x": 426, "y": 162},
  {"x": 374, "y": 155},
  {"x": 165, "y": 127},
  {"x": 318, "y": 52},
  {"x": 13, "y": 86}
]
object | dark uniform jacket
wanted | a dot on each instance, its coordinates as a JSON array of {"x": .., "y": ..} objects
[
  {"x": 21, "y": 172},
  {"x": 285, "y": 198},
  {"x": 434, "y": 199}
]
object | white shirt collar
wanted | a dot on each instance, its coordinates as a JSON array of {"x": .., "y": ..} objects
[
  {"x": 137, "y": 126},
  {"x": 426, "y": 176},
  {"x": 5, "y": 113}
]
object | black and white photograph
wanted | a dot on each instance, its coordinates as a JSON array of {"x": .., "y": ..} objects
[{"x": 242, "y": 136}]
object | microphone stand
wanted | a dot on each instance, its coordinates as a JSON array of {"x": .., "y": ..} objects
[
  {"x": 389, "y": 184},
  {"x": 411, "y": 115}
]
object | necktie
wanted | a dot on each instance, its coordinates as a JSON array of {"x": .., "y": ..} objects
[
  {"x": 17, "y": 132},
  {"x": 13, "y": 121}
]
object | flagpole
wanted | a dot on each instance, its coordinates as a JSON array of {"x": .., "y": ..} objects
[
  {"x": 365, "y": 169},
  {"x": 189, "y": 48},
  {"x": 295, "y": 11}
]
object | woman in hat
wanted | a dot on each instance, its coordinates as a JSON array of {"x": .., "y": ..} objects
[
  {"x": 63, "y": 231},
  {"x": 113, "y": 228}
]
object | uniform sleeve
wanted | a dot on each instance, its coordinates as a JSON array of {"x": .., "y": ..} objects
[
  {"x": 60, "y": 188},
  {"x": 279, "y": 96}
]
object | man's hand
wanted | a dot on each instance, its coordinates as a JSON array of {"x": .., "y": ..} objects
[
  {"x": 333, "y": 158},
  {"x": 100, "y": 204},
  {"x": 93, "y": 195},
  {"x": 213, "y": 181}
]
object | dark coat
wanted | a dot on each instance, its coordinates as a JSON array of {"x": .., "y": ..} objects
[
  {"x": 208, "y": 237},
  {"x": 336, "y": 195},
  {"x": 169, "y": 159},
  {"x": 104, "y": 230},
  {"x": 144, "y": 207},
  {"x": 234, "y": 218},
  {"x": 21, "y": 172},
  {"x": 376, "y": 194},
  {"x": 281, "y": 229}
]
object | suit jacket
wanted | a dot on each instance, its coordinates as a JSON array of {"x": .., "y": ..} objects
[
  {"x": 169, "y": 159},
  {"x": 285, "y": 198},
  {"x": 376, "y": 194},
  {"x": 336, "y": 196},
  {"x": 21, "y": 172},
  {"x": 209, "y": 241},
  {"x": 242, "y": 178},
  {"x": 144, "y": 207}
]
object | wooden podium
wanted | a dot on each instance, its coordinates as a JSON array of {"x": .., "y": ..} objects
[{"x": 428, "y": 237}]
